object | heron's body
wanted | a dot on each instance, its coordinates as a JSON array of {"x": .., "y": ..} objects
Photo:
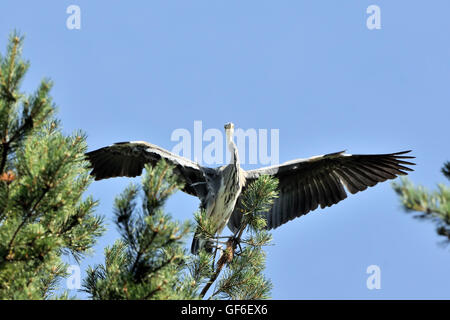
[
  {"x": 222, "y": 195},
  {"x": 304, "y": 184},
  {"x": 220, "y": 204}
]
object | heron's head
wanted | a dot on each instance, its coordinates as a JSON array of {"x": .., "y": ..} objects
[
  {"x": 229, "y": 126},
  {"x": 229, "y": 129}
]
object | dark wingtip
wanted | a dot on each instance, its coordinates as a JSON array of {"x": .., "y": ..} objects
[
  {"x": 401, "y": 152},
  {"x": 398, "y": 155}
]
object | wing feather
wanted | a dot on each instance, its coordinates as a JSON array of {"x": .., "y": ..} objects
[
  {"x": 305, "y": 184},
  {"x": 320, "y": 193},
  {"x": 307, "y": 197},
  {"x": 314, "y": 194},
  {"x": 127, "y": 159}
]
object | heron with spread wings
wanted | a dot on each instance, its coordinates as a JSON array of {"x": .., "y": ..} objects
[{"x": 304, "y": 184}]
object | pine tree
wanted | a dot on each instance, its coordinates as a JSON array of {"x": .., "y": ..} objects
[
  {"x": 43, "y": 175},
  {"x": 151, "y": 261},
  {"x": 434, "y": 206}
]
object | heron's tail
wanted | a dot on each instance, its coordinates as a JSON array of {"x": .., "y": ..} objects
[{"x": 197, "y": 244}]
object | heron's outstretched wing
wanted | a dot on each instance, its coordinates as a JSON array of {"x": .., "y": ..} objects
[
  {"x": 305, "y": 184},
  {"x": 127, "y": 159}
]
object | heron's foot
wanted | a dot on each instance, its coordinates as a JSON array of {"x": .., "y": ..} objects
[
  {"x": 211, "y": 247},
  {"x": 222, "y": 237},
  {"x": 232, "y": 240}
]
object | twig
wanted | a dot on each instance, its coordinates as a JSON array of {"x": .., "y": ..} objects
[{"x": 227, "y": 257}]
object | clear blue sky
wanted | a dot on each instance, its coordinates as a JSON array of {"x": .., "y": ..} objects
[{"x": 139, "y": 70}]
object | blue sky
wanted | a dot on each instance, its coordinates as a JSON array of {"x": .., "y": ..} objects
[{"x": 139, "y": 70}]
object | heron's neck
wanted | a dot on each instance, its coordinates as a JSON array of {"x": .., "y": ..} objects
[{"x": 232, "y": 148}]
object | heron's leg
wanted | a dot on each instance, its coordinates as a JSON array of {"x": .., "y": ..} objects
[
  {"x": 215, "y": 252},
  {"x": 221, "y": 237},
  {"x": 226, "y": 237},
  {"x": 235, "y": 235},
  {"x": 217, "y": 247},
  {"x": 214, "y": 258},
  {"x": 236, "y": 238}
]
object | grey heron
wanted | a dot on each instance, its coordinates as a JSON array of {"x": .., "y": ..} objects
[{"x": 304, "y": 184}]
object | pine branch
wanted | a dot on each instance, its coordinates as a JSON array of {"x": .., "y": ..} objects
[{"x": 434, "y": 206}]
